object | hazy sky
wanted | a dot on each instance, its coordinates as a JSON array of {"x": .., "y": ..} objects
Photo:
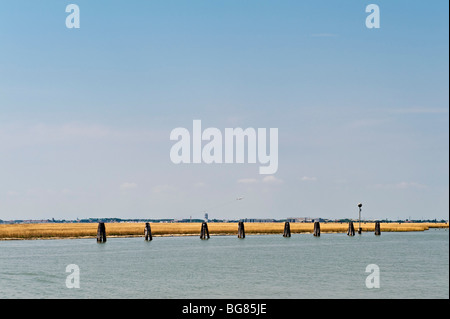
[{"x": 86, "y": 114}]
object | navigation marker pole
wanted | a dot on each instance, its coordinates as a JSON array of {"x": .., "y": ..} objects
[{"x": 359, "y": 229}]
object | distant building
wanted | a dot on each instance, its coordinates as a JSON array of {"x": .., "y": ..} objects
[
  {"x": 259, "y": 220},
  {"x": 206, "y": 217},
  {"x": 304, "y": 219}
]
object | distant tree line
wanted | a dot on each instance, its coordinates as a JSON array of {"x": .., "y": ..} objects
[{"x": 197, "y": 220}]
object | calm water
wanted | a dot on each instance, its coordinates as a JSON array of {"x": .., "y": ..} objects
[{"x": 412, "y": 265}]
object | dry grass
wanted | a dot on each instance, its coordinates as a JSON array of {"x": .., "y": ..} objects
[{"x": 80, "y": 230}]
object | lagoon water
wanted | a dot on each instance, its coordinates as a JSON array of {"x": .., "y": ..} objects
[{"x": 411, "y": 265}]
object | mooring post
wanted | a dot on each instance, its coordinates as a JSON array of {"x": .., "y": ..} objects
[
  {"x": 241, "y": 230},
  {"x": 316, "y": 229},
  {"x": 148, "y": 232},
  {"x": 101, "y": 233},
  {"x": 351, "y": 229},
  {"x": 204, "y": 233},
  {"x": 206, "y": 229},
  {"x": 377, "y": 228},
  {"x": 287, "y": 229}
]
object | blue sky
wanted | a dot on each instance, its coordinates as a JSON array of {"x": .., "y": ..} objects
[{"x": 86, "y": 114}]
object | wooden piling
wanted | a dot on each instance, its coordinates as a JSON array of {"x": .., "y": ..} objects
[
  {"x": 377, "y": 228},
  {"x": 101, "y": 233},
  {"x": 241, "y": 230},
  {"x": 204, "y": 233},
  {"x": 351, "y": 229},
  {"x": 317, "y": 229},
  {"x": 148, "y": 232},
  {"x": 287, "y": 229},
  {"x": 206, "y": 230}
]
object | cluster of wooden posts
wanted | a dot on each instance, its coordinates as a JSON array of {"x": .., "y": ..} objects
[{"x": 204, "y": 232}]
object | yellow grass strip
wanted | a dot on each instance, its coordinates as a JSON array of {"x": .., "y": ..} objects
[{"x": 80, "y": 230}]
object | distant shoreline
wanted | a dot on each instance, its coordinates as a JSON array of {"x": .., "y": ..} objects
[{"x": 114, "y": 230}]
